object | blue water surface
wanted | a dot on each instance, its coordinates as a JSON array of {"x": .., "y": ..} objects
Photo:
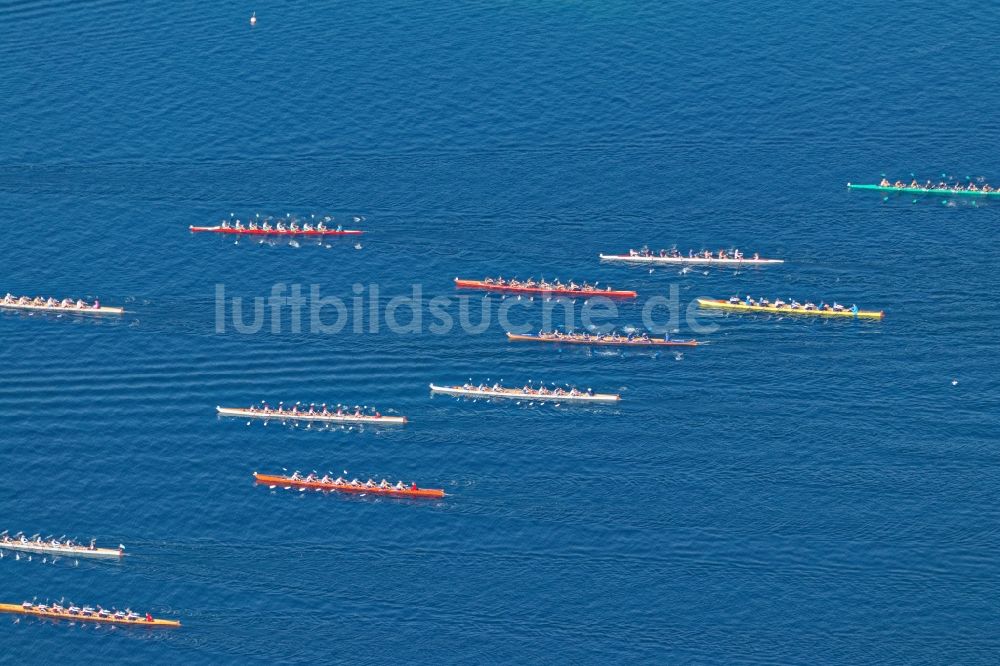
[{"x": 797, "y": 491}]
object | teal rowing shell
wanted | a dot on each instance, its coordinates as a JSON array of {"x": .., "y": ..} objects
[{"x": 920, "y": 190}]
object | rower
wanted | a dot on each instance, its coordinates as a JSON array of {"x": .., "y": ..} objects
[
  {"x": 225, "y": 224},
  {"x": 899, "y": 184},
  {"x": 972, "y": 187},
  {"x": 734, "y": 299},
  {"x": 320, "y": 226},
  {"x": 307, "y": 227},
  {"x": 914, "y": 184},
  {"x": 399, "y": 486},
  {"x": 253, "y": 226},
  {"x": 239, "y": 226},
  {"x": 266, "y": 227},
  {"x": 756, "y": 256},
  {"x": 384, "y": 484},
  {"x": 885, "y": 183},
  {"x": 280, "y": 227}
]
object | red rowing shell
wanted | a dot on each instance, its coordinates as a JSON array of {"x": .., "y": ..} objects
[
  {"x": 275, "y": 232},
  {"x": 575, "y": 293},
  {"x": 346, "y": 488}
]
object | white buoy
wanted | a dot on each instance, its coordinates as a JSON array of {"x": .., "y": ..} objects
[
  {"x": 954, "y": 382},
  {"x": 253, "y": 18}
]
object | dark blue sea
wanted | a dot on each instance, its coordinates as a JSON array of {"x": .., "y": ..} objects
[{"x": 796, "y": 491}]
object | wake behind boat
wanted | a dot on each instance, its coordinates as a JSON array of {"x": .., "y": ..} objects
[
  {"x": 338, "y": 414},
  {"x": 612, "y": 340},
  {"x": 66, "y": 305},
  {"x": 526, "y": 393},
  {"x": 399, "y": 489},
  {"x": 87, "y": 614},
  {"x": 531, "y": 286},
  {"x": 701, "y": 258},
  {"x": 793, "y": 307},
  {"x": 928, "y": 187},
  {"x": 51, "y": 546}
]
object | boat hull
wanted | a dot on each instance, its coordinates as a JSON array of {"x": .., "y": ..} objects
[
  {"x": 103, "y": 553},
  {"x": 275, "y": 232},
  {"x": 652, "y": 342},
  {"x": 276, "y": 480},
  {"x": 689, "y": 261},
  {"x": 70, "y": 310},
  {"x": 51, "y": 615},
  {"x": 521, "y": 395},
  {"x": 328, "y": 418},
  {"x": 920, "y": 190},
  {"x": 489, "y": 286},
  {"x": 742, "y": 307}
]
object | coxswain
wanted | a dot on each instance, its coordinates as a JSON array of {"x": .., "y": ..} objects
[
  {"x": 734, "y": 299},
  {"x": 756, "y": 256},
  {"x": 93, "y": 545},
  {"x": 149, "y": 618},
  {"x": 854, "y": 310},
  {"x": 413, "y": 485}
]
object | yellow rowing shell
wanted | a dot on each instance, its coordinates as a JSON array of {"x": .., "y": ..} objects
[{"x": 784, "y": 309}]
